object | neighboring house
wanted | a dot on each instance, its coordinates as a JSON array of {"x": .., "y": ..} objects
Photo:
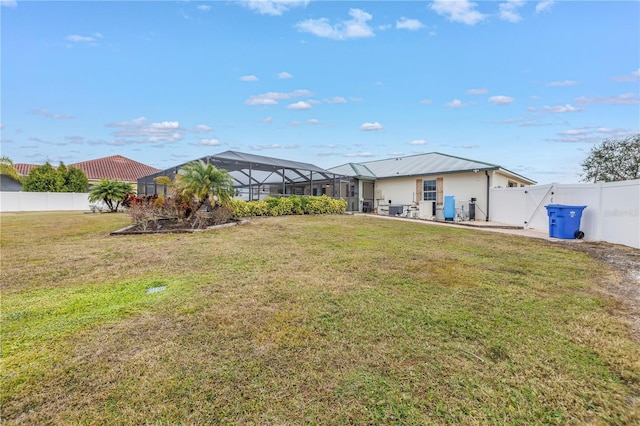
[
  {"x": 7, "y": 183},
  {"x": 417, "y": 185},
  {"x": 114, "y": 167}
]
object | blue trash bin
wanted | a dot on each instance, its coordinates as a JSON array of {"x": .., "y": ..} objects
[
  {"x": 449, "y": 207},
  {"x": 564, "y": 221}
]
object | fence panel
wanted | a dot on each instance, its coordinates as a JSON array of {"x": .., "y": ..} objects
[
  {"x": 43, "y": 201},
  {"x": 612, "y": 213}
]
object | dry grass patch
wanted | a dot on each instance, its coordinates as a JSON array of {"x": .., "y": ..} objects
[{"x": 293, "y": 320}]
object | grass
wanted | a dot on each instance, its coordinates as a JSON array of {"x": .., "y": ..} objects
[{"x": 320, "y": 320}]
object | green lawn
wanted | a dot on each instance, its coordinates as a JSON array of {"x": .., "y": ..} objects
[{"x": 291, "y": 320}]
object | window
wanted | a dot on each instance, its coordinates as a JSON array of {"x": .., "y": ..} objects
[
  {"x": 512, "y": 184},
  {"x": 429, "y": 190}
]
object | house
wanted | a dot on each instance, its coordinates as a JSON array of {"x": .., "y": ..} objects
[
  {"x": 420, "y": 186},
  {"x": 114, "y": 167}
]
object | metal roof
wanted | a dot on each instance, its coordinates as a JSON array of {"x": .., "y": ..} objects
[
  {"x": 415, "y": 165},
  {"x": 250, "y": 169}
]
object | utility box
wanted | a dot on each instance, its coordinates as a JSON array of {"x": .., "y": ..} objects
[
  {"x": 472, "y": 209},
  {"x": 449, "y": 207},
  {"x": 396, "y": 210},
  {"x": 564, "y": 221}
]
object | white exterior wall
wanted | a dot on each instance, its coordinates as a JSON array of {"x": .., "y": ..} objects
[
  {"x": 466, "y": 186},
  {"x": 612, "y": 213},
  {"x": 43, "y": 201},
  {"x": 463, "y": 186}
]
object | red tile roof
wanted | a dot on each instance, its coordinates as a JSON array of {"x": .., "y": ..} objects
[
  {"x": 23, "y": 168},
  {"x": 114, "y": 167}
]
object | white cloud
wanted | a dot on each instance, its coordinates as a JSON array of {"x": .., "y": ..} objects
[
  {"x": 479, "y": 91},
  {"x": 371, "y": 127},
  {"x": 313, "y": 121},
  {"x": 294, "y": 123},
  {"x": 272, "y": 7},
  {"x": 336, "y": 100},
  {"x": 409, "y": 24},
  {"x": 134, "y": 122},
  {"x": 46, "y": 113},
  {"x": 426, "y": 101},
  {"x": 509, "y": 11},
  {"x": 356, "y": 27},
  {"x": 456, "y": 104},
  {"x": 544, "y": 5},
  {"x": 365, "y": 154},
  {"x": 78, "y": 38},
  {"x": 592, "y": 134},
  {"x": 284, "y": 74},
  {"x": 501, "y": 100},
  {"x": 209, "y": 142},
  {"x": 267, "y": 120},
  {"x": 458, "y": 11},
  {"x": 164, "y": 131},
  {"x": 562, "y": 83},
  {"x": 634, "y": 76},
  {"x": 203, "y": 128},
  {"x": 624, "y": 99},
  {"x": 249, "y": 78},
  {"x": 9, "y": 3},
  {"x": 204, "y": 7},
  {"x": 272, "y": 98},
  {"x": 559, "y": 109},
  {"x": 263, "y": 147},
  {"x": 300, "y": 105},
  {"x": 573, "y": 132},
  {"x": 418, "y": 142},
  {"x": 257, "y": 100}
]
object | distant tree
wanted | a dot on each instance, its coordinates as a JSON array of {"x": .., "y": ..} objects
[
  {"x": 76, "y": 180},
  {"x": 111, "y": 192},
  {"x": 46, "y": 178},
  {"x": 43, "y": 179},
  {"x": 613, "y": 160},
  {"x": 204, "y": 183},
  {"x": 8, "y": 169}
]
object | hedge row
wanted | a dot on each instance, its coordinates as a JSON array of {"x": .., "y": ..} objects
[{"x": 293, "y": 205}]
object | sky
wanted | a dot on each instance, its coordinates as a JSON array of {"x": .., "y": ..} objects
[{"x": 531, "y": 86}]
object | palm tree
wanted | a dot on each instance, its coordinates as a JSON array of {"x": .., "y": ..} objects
[
  {"x": 203, "y": 183},
  {"x": 111, "y": 192}
]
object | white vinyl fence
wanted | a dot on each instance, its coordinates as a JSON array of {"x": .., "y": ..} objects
[
  {"x": 612, "y": 213},
  {"x": 43, "y": 201}
]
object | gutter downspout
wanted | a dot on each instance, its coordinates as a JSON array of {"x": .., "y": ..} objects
[{"x": 488, "y": 187}]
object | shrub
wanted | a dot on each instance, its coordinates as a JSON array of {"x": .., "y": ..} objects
[{"x": 294, "y": 205}]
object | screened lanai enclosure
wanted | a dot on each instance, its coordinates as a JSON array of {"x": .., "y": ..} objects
[{"x": 256, "y": 177}]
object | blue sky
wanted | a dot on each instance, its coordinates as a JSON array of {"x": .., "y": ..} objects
[{"x": 531, "y": 86}]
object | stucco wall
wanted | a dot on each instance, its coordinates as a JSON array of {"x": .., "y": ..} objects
[{"x": 463, "y": 186}]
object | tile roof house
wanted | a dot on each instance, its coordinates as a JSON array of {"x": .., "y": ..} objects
[{"x": 114, "y": 167}]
